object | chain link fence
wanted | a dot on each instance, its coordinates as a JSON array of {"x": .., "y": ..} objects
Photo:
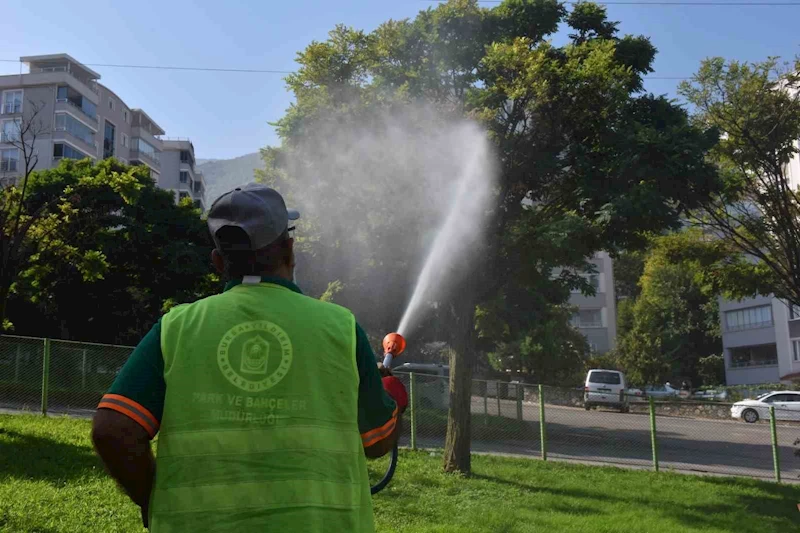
[
  {"x": 63, "y": 377},
  {"x": 54, "y": 376},
  {"x": 682, "y": 435}
]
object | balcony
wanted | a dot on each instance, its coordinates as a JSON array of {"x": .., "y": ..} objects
[
  {"x": 9, "y": 137},
  {"x": 753, "y": 356},
  {"x": 90, "y": 84},
  {"x": 89, "y": 148},
  {"x": 151, "y": 160},
  {"x": 9, "y": 165},
  {"x": 64, "y": 104}
]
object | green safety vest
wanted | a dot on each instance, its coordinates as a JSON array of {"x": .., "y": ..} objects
[{"x": 260, "y": 426}]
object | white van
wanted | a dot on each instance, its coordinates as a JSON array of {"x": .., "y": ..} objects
[
  {"x": 605, "y": 388},
  {"x": 432, "y": 389}
]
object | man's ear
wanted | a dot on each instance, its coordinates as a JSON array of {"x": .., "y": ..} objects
[{"x": 218, "y": 261}]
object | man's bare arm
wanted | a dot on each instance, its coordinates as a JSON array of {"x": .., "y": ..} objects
[{"x": 124, "y": 447}]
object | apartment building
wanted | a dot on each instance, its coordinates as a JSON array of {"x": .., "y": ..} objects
[
  {"x": 596, "y": 316},
  {"x": 78, "y": 117},
  {"x": 179, "y": 173},
  {"x": 760, "y": 340}
]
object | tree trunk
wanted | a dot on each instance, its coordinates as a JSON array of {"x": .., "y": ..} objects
[
  {"x": 5, "y": 290},
  {"x": 462, "y": 359}
]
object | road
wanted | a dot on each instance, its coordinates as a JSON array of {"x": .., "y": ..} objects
[
  {"x": 725, "y": 447},
  {"x": 685, "y": 444}
]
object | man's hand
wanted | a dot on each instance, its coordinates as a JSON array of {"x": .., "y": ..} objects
[{"x": 384, "y": 371}]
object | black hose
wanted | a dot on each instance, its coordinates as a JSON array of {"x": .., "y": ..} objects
[{"x": 387, "y": 477}]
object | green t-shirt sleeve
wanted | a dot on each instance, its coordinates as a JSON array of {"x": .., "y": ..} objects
[
  {"x": 139, "y": 389},
  {"x": 376, "y": 409}
]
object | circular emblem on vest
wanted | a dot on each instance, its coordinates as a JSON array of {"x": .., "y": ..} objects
[{"x": 255, "y": 356}]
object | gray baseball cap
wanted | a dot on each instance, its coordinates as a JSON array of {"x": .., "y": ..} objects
[{"x": 256, "y": 209}]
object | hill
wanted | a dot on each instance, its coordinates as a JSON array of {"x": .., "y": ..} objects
[{"x": 224, "y": 174}]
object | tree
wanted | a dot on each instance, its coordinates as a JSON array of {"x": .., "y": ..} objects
[
  {"x": 34, "y": 213},
  {"x": 108, "y": 264},
  {"x": 584, "y": 156},
  {"x": 628, "y": 268},
  {"x": 674, "y": 322},
  {"x": 14, "y": 224},
  {"x": 757, "y": 109}
]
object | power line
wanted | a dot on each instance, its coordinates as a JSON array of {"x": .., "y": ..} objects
[
  {"x": 252, "y": 70},
  {"x": 657, "y": 3},
  {"x": 163, "y": 67}
]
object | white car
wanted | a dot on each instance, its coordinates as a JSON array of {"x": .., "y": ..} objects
[
  {"x": 786, "y": 403},
  {"x": 605, "y": 388}
]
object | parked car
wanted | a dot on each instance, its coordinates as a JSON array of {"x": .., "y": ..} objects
[
  {"x": 659, "y": 392},
  {"x": 711, "y": 394},
  {"x": 432, "y": 386},
  {"x": 786, "y": 403},
  {"x": 605, "y": 388},
  {"x": 635, "y": 395}
]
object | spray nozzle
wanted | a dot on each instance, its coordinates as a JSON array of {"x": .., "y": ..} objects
[{"x": 393, "y": 346}]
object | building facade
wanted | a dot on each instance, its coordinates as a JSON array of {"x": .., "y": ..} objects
[
  {"x": 179, "y": 173},
  {"x": 77, "y": 117},
  {"x": 596, "y": 316},
  {"x": 760, "y": 340}
]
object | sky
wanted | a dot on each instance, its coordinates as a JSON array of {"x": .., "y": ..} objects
[{"x": 228, "y": 114}]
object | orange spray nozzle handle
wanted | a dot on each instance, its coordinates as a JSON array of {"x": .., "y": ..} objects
[{"x": 393, "y": 345}]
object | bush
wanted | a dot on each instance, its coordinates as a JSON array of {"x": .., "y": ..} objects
[{"x": 711, "y": 369}]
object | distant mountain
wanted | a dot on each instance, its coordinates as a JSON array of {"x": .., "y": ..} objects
[{"x": 222, "y": 175}]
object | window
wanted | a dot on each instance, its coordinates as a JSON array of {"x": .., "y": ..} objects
[
  {"x": 66, "y": 151},
  {"x": 108, "y": 140},
  {"x": 796, "y": 350},
  {"x": 12, "y": 102},
  {"x": 124, "y": 140},
  {"x": 605, "y": 378},
  {"x": 184, "y": 176},
  {"x": 588, "y": 318},
  {"x": 198, "y": 186},
  {"x": 11, "y": 130},
  {"x": 748, "y": 356},
  {"x": 776, "y": 398},
  {"x": 794, "y": 312},
  {"x": 74, "y": 98},
  {"x": 146, "y": 148},
  {"x": 186, "y": 157},
  {"x": 752, "y": 317},
  {"x": 9, "y": 160},
  {"x": 125, "y": 116},
  {"x": 111, "y": 103},
  {"x": 593, "y": 280},
  {"x": 182, "y": 195},
  {"x": 77, "y": 128}
]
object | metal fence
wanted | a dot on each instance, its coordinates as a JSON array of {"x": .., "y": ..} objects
[
  {"x": 56, "y": 376},
  {"x": 553, "y": 423},
  {"x": 53, "y": 376}
]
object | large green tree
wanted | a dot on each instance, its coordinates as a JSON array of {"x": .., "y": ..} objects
[
  {"x": 108, "y": 262},
  {"x": 583, "y": 154},
  {"x": 757, "y": 211},
  {"x": 674, "y": 322}
]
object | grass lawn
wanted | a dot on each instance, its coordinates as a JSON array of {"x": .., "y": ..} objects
[{"x": 50, "y": 481}]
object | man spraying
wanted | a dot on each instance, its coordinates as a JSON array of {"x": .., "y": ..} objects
[{"x": 265, "y": 401}]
